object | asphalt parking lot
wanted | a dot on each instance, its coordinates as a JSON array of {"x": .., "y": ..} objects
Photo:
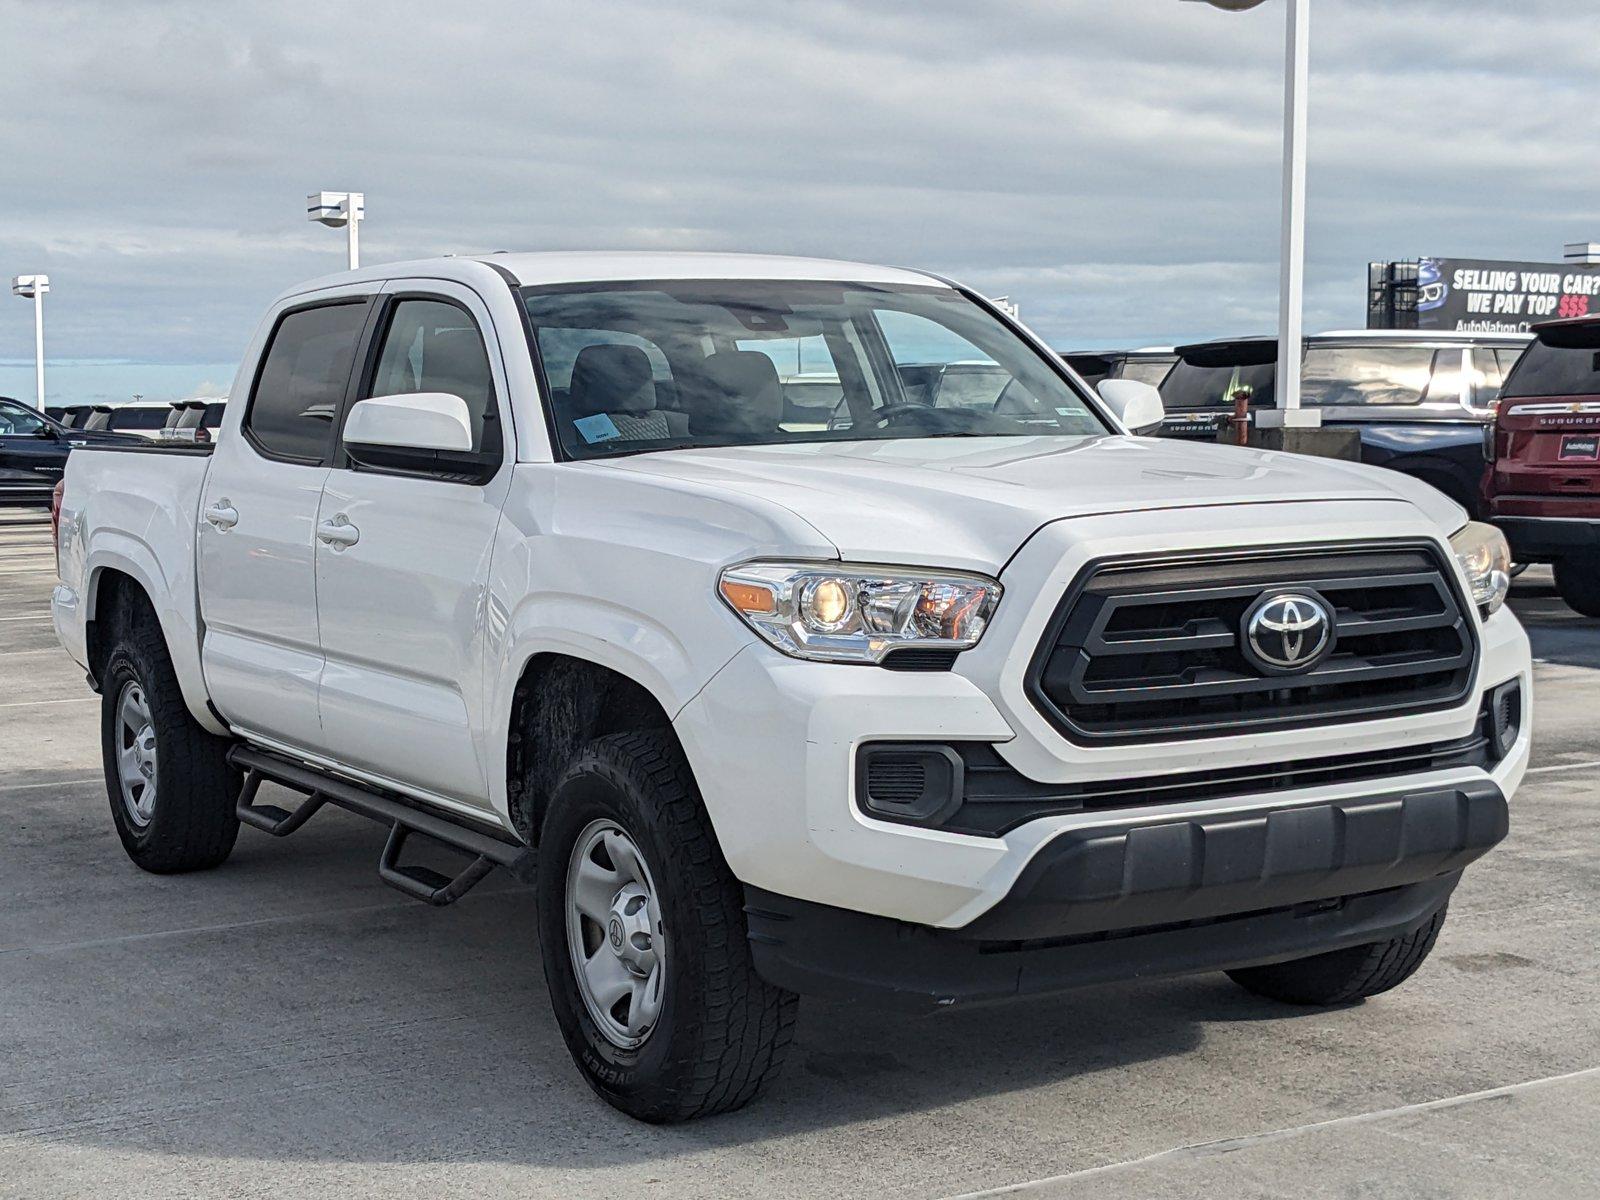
[{"x": 287, "y": 1025}]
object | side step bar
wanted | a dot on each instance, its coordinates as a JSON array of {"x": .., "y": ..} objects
[{"x": 490, "y": 849}]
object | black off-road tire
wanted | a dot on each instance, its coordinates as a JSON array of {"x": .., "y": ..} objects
[
  {"x": 1344, "y": 976},
  {"x": 193, "y": 823},
  {"x": 1578, "y": 581},
  {"x": 723, "y": 1031}
]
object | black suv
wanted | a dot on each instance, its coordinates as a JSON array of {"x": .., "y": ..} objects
[
  {"x": 1419, "y": 400},
  {"x": 34, "y": 449}
]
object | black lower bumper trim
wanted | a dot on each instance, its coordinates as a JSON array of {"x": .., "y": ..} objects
[
  {"x": 817, "y": 950},
  {"x": 1156, "y": 896}
]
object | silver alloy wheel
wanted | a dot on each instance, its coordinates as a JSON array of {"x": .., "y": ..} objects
[
  {"x": 136, "y": 754},
  {"x": 615, "y": 934}
]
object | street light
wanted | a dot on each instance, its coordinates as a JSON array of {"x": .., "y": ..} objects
[
  {"x": 340, "y": 208},
  {"x": 33, "y": 287},
  {"x": 1292, "y": 253}
]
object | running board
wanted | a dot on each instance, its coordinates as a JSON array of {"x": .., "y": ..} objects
[{"x": 490, "y": 849}]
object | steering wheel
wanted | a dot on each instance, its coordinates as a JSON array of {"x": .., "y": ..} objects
[{"x": 889, "y": 412}]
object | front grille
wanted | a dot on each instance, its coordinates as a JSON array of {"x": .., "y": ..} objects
[{"x": 1152, "y": 648}]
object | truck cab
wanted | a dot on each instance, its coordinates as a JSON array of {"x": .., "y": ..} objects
[{"x": 1543, "y": 484}]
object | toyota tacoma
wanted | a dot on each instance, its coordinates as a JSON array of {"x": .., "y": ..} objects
[{"x": 532, "y": 556}]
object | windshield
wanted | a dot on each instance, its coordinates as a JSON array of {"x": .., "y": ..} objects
[{"x": 665, "y": 365}]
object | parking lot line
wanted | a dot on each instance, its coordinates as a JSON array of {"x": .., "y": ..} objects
[
  {"x": 1197, "y": 1150},
  {"x": 1577, "y": 766},
  {"x": 36, "y": 703},
  {"x": 23, "y": 787}
]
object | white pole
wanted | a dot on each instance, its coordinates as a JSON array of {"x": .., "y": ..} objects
[
  {"x": 1292, "y": 254},
  {"x": 355, "y": 239},
  {"x": 38, "y": 344}
]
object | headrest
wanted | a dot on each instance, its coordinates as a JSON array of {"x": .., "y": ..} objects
[
  {"x": 743, "y": 385},
  {"x": 611, "y": 379}
]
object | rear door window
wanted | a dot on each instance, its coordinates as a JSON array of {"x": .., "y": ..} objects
[
  {"x": 1333, "y": 376},
  {"x": 1487, "y": 377},
  {"x": 303, "y": 380}
]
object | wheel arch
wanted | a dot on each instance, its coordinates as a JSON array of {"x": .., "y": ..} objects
[
  {"x": 561, "y": 702},
  {"x": 117, "y": 583}
]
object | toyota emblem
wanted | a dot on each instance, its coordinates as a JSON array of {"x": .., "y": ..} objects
[{"x": 1288, "y": 633}]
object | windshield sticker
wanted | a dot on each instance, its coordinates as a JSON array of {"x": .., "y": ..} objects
[{"x": 598, "y": 428}]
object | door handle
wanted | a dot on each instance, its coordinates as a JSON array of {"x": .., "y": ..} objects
[
  {"x": 223, "y": 515},
  {"x": 338, "y": 533}
]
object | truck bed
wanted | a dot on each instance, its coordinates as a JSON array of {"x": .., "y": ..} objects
[{"x": 134, "y": 509}]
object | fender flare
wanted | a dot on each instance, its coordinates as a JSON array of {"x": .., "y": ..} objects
[
  {"x": 631, "y": 643},
  {"x": 115, "y": 550}
]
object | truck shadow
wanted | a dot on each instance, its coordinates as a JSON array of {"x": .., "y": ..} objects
[{"x": 290, "y": 1008}]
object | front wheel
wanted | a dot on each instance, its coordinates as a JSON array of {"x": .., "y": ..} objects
[
  {"x": 1344, "y": 976},
  {"x": 1578, "y": 581},
  {"x": 642, "y": 931}
]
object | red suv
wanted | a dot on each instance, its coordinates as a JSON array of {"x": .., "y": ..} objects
[{"x": 1544, "y": 482}]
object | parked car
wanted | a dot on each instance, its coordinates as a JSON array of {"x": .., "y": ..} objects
[
  {"x": 192, "y": 421},
  {"x": 1419, "y": 400},
  {"x": 34, "y": 449},
  {"x": 949, "y": 706},
  {"x": 75, "y": 416},
  {"x": 1544, "y": 482},
  {"x": 144, "y": 420},
  {"x": 1148, "y": 364}
]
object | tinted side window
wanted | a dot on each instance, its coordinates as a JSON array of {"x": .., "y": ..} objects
[
  {"x": 1351, "y": 375},
  {"x": 303, "y": 379},
  {"x": 18, "y": 419},
  {"x": 1486, "y": 377},
  {"x": 138, "y": 418},
  {"x": 433, "y": 346}
]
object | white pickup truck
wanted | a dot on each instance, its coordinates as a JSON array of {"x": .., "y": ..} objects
[{"x": 901, "y": 696}]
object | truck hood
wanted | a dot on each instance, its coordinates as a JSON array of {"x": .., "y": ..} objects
[{"x": 971, "y": 502}]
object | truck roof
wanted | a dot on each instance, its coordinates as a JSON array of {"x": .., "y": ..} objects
[{"x": 532, "y": 268}]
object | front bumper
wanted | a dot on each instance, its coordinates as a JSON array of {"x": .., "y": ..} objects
[{"x": 774, "y": 742}]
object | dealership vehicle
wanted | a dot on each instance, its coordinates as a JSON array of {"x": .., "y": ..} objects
[
  {"x": 1544, "y": 483},
  {"x": 1419, "y": 400},
  {"x": 142, "y": 419},
  {"x": 517, "y": 554},
  {"x": 1149, "y": 364},
  {"x": 192, "y": 421},
  {"x": 34, "y": 449}
]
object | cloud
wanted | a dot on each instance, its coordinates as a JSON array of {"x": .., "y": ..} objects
[{"x": 1111, "y": 166}]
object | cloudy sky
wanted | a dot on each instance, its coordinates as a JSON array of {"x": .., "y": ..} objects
[{"x": 1110, "y": 164}]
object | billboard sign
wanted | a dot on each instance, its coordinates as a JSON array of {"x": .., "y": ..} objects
[{"x": 1474, "y": 295}]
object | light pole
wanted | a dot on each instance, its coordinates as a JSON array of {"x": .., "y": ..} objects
[
  {"x": 33, "y": 287},
  {"x": 340, "y": 208},
  {"x": 1292, "y": 251}
]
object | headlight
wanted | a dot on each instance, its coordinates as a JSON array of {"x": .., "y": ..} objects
[
  {"x": 849, "y": 613},
  {"x": 1486, "y": 558}
]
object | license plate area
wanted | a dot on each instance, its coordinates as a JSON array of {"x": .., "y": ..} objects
[{"x": 1580, "y": 447}]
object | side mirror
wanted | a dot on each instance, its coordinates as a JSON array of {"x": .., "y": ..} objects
[
  {"x": 47, "y": 432},
  {"x": 1137, "y": 405},
  {"x": 428, "y": 421}
]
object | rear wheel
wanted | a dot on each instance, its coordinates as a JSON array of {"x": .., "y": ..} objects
[
  {"x": 1344, "y": 976},
  {"x": 172, "y": 792},
  {"x": 1578, "y": 581},
  {"x": 642, "y": 931}
]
